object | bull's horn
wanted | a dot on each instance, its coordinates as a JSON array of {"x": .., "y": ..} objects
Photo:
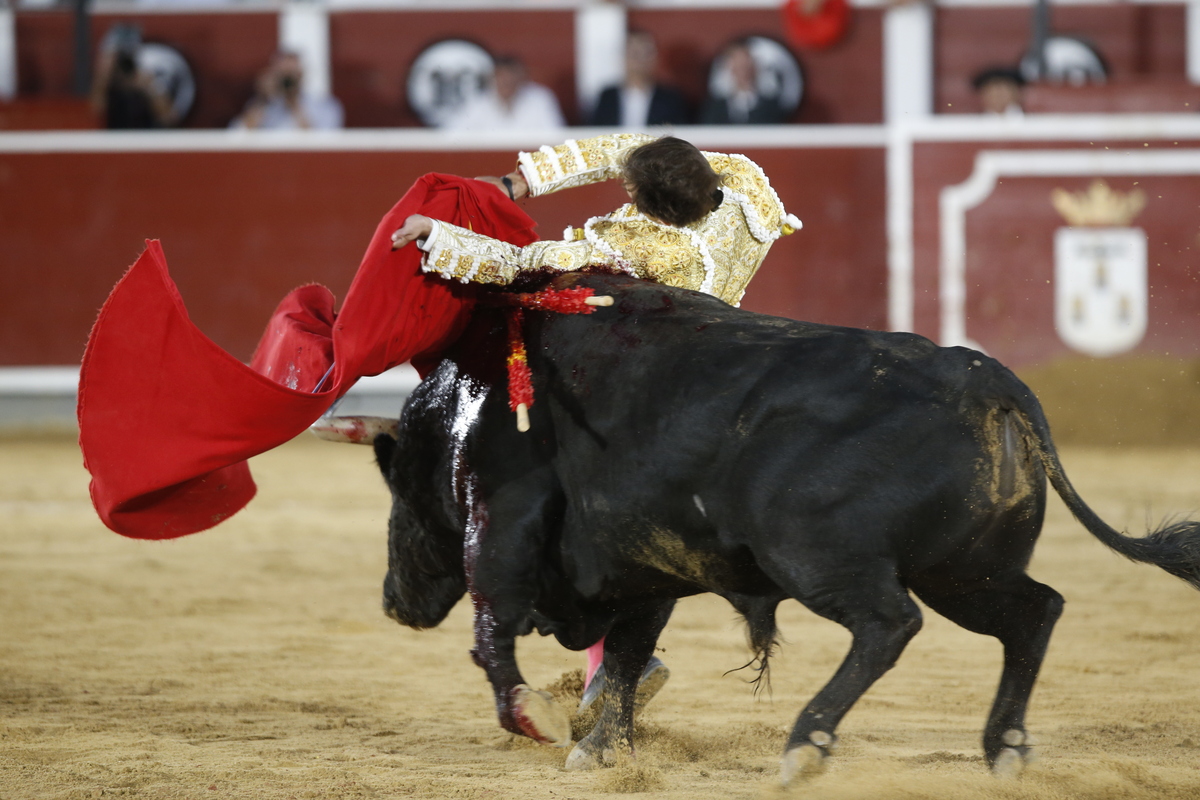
[{"x": 354, "y": 430}]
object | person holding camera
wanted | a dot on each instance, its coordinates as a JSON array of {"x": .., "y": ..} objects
[
  {"x": 124, "y": 94},
  {"x": 280, "y": 103}
]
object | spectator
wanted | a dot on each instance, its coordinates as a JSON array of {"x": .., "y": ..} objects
[
  {"x": 124, "y": 93},
  {"x": 999, "y": 90},
  {"x": 512, "y": 102},
  {"x": 280, "y": 102},
  {"x": 640, "y": 100},
  {"x": 745, "y": 104}
]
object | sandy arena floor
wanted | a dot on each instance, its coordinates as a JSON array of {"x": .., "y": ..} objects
[{"x": 252, "y": 661}]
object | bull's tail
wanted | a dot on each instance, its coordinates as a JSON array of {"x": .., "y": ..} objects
[{"x": 1175, "y": 547}]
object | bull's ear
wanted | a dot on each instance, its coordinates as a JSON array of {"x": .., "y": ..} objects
[{"x": 385, "y": 449}]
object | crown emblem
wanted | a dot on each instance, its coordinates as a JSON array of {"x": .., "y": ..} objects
[{"x": 1099, "y": 206}]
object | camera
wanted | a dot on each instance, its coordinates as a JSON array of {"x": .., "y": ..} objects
[{"x": 125, "y": 41}]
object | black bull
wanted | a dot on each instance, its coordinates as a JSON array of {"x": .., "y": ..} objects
[{"x": 679, "y": 446}]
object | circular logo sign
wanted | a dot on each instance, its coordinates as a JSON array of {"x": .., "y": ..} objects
[
  {"x": 445, "y": 76},
  {"x": 171, "y": 75},
  {"x": 778, "y": 73},
  {"x": 1067, "y": 59}
]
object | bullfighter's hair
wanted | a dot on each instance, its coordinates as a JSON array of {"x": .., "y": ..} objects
[{"x": 670, "y": 180}]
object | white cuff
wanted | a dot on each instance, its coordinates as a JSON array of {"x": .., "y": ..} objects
[
  {"x": 528, "y": 169},
  {"x": 433, "y": 252},
  {"x": 429, "y": 242}
]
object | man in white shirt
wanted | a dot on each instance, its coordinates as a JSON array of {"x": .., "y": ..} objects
[{"x": 513, "y": 102}]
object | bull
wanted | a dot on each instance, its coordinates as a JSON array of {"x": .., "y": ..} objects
[{"x": 680, "y": 446}]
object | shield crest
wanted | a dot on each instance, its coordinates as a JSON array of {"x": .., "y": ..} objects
[{"x": 1100, "y": 289}]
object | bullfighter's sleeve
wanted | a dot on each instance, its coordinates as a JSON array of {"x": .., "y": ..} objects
[
  {"x": 746, "y": 184},
  {"x": 578, "y": 162},
  {"x": 459, "y": 254}
]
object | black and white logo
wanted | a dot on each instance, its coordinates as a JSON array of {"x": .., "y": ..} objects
[
  {"x": 445, "y": 76},
  {"x": 171, "y": 74}
]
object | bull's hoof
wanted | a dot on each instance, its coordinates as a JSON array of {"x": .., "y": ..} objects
[
  {"x": 540, "y": 718},
  {"x": 801, "y": 763},
  {"x": 1012, "y": 759},
  {"x": 583, "y": 757},
  {"x": 1009, "y": 764}
]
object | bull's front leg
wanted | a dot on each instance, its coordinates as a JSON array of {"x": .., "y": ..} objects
[
  {"x": 500, "y": 556},
  {"x": 521, "y": 709},
  {"x": 627, "y": 649}
]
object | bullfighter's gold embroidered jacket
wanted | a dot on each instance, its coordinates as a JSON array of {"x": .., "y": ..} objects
[{"x": 717, "y": 255}]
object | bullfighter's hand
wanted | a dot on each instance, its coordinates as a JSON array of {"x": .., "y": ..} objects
[{"x": 415, "y": 227}]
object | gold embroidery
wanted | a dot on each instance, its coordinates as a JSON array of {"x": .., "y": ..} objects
[
  {"x": 566, "y": 159},
  {"x": 602, "y": 159},
  {"x": 731, "y": 237},
  {"x": 492, "y": 272}
]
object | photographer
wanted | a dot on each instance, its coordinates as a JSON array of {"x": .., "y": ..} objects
[
  {"x": 280, "y": 103},
  {"x": 123, "y": 93}
]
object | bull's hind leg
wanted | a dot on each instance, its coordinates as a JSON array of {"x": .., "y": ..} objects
[
  {"x": 627, "y": 649},
  {"x": 876, "y": 609},
  {"x": 1021, "y": 613}
]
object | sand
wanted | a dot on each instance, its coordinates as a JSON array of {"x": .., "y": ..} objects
[{"x": 253, "y": 661}]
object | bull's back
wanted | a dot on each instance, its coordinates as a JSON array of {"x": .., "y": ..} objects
[{"x": 689, "y": 422}]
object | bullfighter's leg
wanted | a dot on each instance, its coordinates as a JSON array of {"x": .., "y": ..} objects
[
  {"x": 595, "y": 657},
  {"x": 1021, "y": 613},
  {"x": 654, "y": 677},
  {"x": 501, "y": 550},
  {"x": 870, "y": 602},
  {"x": 627, "y": 650}
]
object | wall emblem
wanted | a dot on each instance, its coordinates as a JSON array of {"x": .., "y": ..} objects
[
  {"x": 1100, "y": 278},
  {"x": 171, "y": 75},
  {"x": 445, "y": 76}
]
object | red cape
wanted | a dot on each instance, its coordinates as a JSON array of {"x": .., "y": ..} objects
[{"x": 167, "y": 418}]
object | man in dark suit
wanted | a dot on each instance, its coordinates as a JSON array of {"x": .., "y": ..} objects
[
  {"x": 640, "y": 101},
  {"x": 744, "y": 104}
]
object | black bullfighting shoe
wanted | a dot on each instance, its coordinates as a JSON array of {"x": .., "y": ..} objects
[{"x": 654, "y": 677}]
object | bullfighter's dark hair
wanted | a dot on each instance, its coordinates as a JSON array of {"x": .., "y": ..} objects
[{"x": 671, "y": 181}]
